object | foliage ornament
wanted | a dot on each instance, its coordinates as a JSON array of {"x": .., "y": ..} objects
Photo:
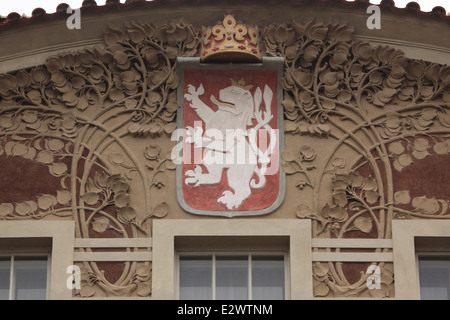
[{"x": 358, "y": 120}]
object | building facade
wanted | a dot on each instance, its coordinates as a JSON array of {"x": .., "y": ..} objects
[{"x": 133, "y": 163}]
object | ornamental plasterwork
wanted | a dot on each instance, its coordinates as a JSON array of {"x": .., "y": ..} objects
[
  {"x": 359, "y": 121},
  {"x": 81, "y": 116},
  {"x": 373, "y": 113}
]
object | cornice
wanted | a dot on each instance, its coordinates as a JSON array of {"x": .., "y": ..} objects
[{"x": 90, "y": 6}]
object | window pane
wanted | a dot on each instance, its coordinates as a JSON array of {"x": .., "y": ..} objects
[
  {"x": 30, "y": 278},
  {"x": 267, "y": 278},
  {"x": 231, "y": 278},
  {"x": 434, "y": 279},
  {"x": 5, "y": 274},
  {"x": 196, "y": 278}
]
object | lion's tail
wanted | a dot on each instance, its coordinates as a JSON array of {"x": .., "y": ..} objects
[{"x": 261, "y": 178}]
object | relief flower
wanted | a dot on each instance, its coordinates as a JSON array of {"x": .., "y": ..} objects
[
  {"x": 307, "y": 153},
  {"x": 152, "y": 151}
]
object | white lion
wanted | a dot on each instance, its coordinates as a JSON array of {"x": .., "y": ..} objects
[{"x": 236, "y": 109}]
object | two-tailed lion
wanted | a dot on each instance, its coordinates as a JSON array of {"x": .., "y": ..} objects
[{"x": 236, "y": 110}]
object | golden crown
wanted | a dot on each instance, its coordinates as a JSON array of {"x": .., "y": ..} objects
[{"x": 230, "y": 41}]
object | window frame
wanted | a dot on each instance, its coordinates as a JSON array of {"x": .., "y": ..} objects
[
  {"x": 430, "y": 256},
  {"x": 245, "y": 253},
  {"x": 297, "y": 233},
  {"x": 405, "y": 233},
  {"x": 27, "y": 255},
  {"x": 62, "y": 235}
]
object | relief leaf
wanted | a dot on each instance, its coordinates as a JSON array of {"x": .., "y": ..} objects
[
  {"x": 421, "y": 144},
  {"x": 5, "y": 209},
  {"x": 121, "y": 199},
  {"x": 170, "y": 127},
  {"x": 58, "y": 169},
  {"x": 161, "y": 210},
  {"x": 45, "y": 156},
  {"x": 289, "y": 168},
  {"x": 19, "y": 149},
  {"x": 287, "y": 155},
  {"x": 303, "y": 211},
  {"x": 320, "y": 269},
  {"x": 396, "y": 148},
  {"x": 405, "y": 160},
  {"x": 290, "y": 126},
  {"x": 441, "y": 148},
  {"x": 402, "y": 197},
  {"x": 91, "y": 198},
  {"x": 100, "y": 224},
  {"x": 63, "y": 196},
  {"x": 87, "y": 291},
  {"x": 126, "y": 214},
  {"x": 46, "y": 201},
  {"x": 371, "y": 196},
  {"x": 363, "y": 224},
  {"x": 321, "y": 290},
  {"x": 26, "y": 207},
  {"x": 143, "y": 289}
]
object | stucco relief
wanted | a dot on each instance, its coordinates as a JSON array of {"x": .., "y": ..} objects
[
  {"x": 83, "y": 117},
  {"x": 380, "y": 114},
  {"x": 360, "y": 121}
]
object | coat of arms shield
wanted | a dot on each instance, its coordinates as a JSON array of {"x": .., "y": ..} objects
[{"x": 230, "y": 133}]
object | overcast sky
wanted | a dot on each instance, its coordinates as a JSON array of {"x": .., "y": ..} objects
[{"x": 27, "y": 6}]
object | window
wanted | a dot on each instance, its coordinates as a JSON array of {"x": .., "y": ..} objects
[
  {"x": 53, "y": 240},
  {"x": 413, "y": 241},
  {"x": 23, "y": 277},
  {"x": 174, "y": 240},
  {"x": 232, "y": 276},
  {"x": 434, "y": 278}
]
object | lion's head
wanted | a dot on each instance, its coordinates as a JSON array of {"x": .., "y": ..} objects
[{"x": 237, "y": 100}]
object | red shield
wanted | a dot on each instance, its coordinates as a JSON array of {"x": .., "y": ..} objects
[{"x": 231, "y": 126}]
